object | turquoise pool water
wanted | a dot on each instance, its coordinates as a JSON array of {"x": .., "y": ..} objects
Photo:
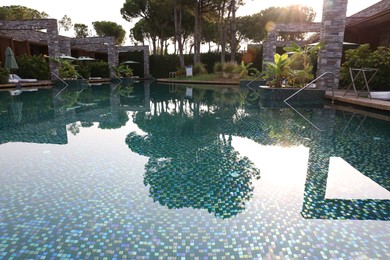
[{"x": 161, "y": 171}]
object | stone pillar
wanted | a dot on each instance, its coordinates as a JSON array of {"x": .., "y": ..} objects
[
  {"x": 269, "y": 47},
  {"x": 112, "y": 54},
  {"x": 146, "y": 62},
  {"x": 332, "y": 36},
  {"x": 53, "y": 46},
  {"x": 65, "y": 46}
]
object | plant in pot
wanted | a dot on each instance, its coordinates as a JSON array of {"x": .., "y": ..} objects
[
  {"x": 301, "y": 65},
  {"x": 293, "y": 68},
  {"x": 277, "y": 72}
]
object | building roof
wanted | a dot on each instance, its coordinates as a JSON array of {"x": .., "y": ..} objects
[{"x": 32, "y": 36}]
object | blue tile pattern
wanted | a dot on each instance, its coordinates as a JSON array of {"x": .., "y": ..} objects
[{"x": 165, "y": 181}]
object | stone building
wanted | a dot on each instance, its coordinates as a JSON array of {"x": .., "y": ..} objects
[
  {"x": 40, "y": 36},
  {"x": 371, "y": 25}
]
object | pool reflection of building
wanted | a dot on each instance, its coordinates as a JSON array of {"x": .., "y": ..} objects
[{"x": 43, "y": 115}]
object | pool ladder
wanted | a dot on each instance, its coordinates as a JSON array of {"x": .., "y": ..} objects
[
  {"x": 59, "y": 78},
  {"x": 311, "y": 82},
  {"x": 307, "y": 85}
]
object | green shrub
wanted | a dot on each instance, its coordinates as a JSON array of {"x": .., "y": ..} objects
[
  {"x": 67, "y": 69},
  {"x": 180, "y": 72},
  {"x": 218, "y": 68},
  {"x": 124, "y": 71},
  {"x": 4, "y": 75},
  {"x": 364, "y": 57},
  {"x": 199, "y": 69},
  {"x": 229, "y": 68},
  {"x": 100, "y": 69},
  {"x": 160, "y": 66},
  {"x": 33, "y": 67},
  {"x": 84, "y": 70}
]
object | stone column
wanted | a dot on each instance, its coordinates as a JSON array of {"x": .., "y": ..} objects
[
  {"x": 332, "y": 36},
  {"x": 269, "y": 47},
  {"x": 146, "y": 62},
  {"x": 112, "y": 54},
  {"x": 65, "y": 46},
  {"x": 53, "y": 47}
]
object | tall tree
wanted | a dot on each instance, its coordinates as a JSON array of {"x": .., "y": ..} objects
[
  {"x": 200, "y": 9},
  {"x": 178, "y": 18},
  {"x": 183, "y": 24},
  {"x": 65, "y": 23},
  {"x": 106, "y": 28},
  {"x": 156, "y": 16},
  {"x": 233, "y": 42},
  {"x": 17, "y": 12},
  {"x": 81, "y": 30}
]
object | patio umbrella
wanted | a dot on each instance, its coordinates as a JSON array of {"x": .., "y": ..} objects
[
  {"x": 66, "y": 57},
  {"x": 344, "y": 43},
  {"x": 83, "y": 58},
  {"x": 130, "y": 62},
  {"x": 10, "y": 62}
]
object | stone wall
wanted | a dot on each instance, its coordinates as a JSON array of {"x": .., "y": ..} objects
[
  {"x": 37, "y": 24},
  {"x": 332, "y": 36},
  {"x": 272, "y": 42},
  {"x": 331, "y": 31},
  {"x": 145, "y": 50},
  {"x": 104, "y": 44}
]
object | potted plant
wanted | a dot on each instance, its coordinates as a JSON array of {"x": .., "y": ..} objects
[
  {"x": 289, "y": 71},
  {"x": 277, "y": 71}
]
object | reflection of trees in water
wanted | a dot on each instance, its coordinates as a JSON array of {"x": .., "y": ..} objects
[
  {"x": 113, "y": 120},
  {"x": 192, "y": 164},
  {"x": 213, "y": 177}
]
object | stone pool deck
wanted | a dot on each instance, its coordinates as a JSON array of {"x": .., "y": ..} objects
[{"x": 350, "y": 98}]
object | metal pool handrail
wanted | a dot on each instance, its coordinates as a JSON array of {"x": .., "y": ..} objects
[
  {"x": 58, "y": 77},
  {"x": 248, "y": 85},
  {"x": 285, "y": 101},
  {"x": 311, "y": 82}
]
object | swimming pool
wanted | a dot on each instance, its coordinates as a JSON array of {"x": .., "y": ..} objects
[{"x": 146, "y": 170}]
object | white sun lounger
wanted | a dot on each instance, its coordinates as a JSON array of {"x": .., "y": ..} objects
[{"x": 13, "y": 78}]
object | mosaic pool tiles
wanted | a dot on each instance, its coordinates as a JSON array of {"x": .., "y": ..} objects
[{"x": 173, "y": 196}]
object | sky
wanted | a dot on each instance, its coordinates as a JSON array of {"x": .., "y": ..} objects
[{"x": 88, "y": 11}]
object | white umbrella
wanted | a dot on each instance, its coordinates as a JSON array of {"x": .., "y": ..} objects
[
  {"x": 130, "y": 62},
  {"x": 344, "y": 43},
  {"x": 66, "y": 57},
  {"x": 84, "y": 58}
]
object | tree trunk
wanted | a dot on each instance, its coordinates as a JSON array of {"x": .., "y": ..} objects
[
  {"x": 177, "y": 12},
  {"x": 197, "y": 30},
  {"x": 222, "y": 31},
  {"x": 154, "y": 45},
  {"x": 233, "y": 43}
]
